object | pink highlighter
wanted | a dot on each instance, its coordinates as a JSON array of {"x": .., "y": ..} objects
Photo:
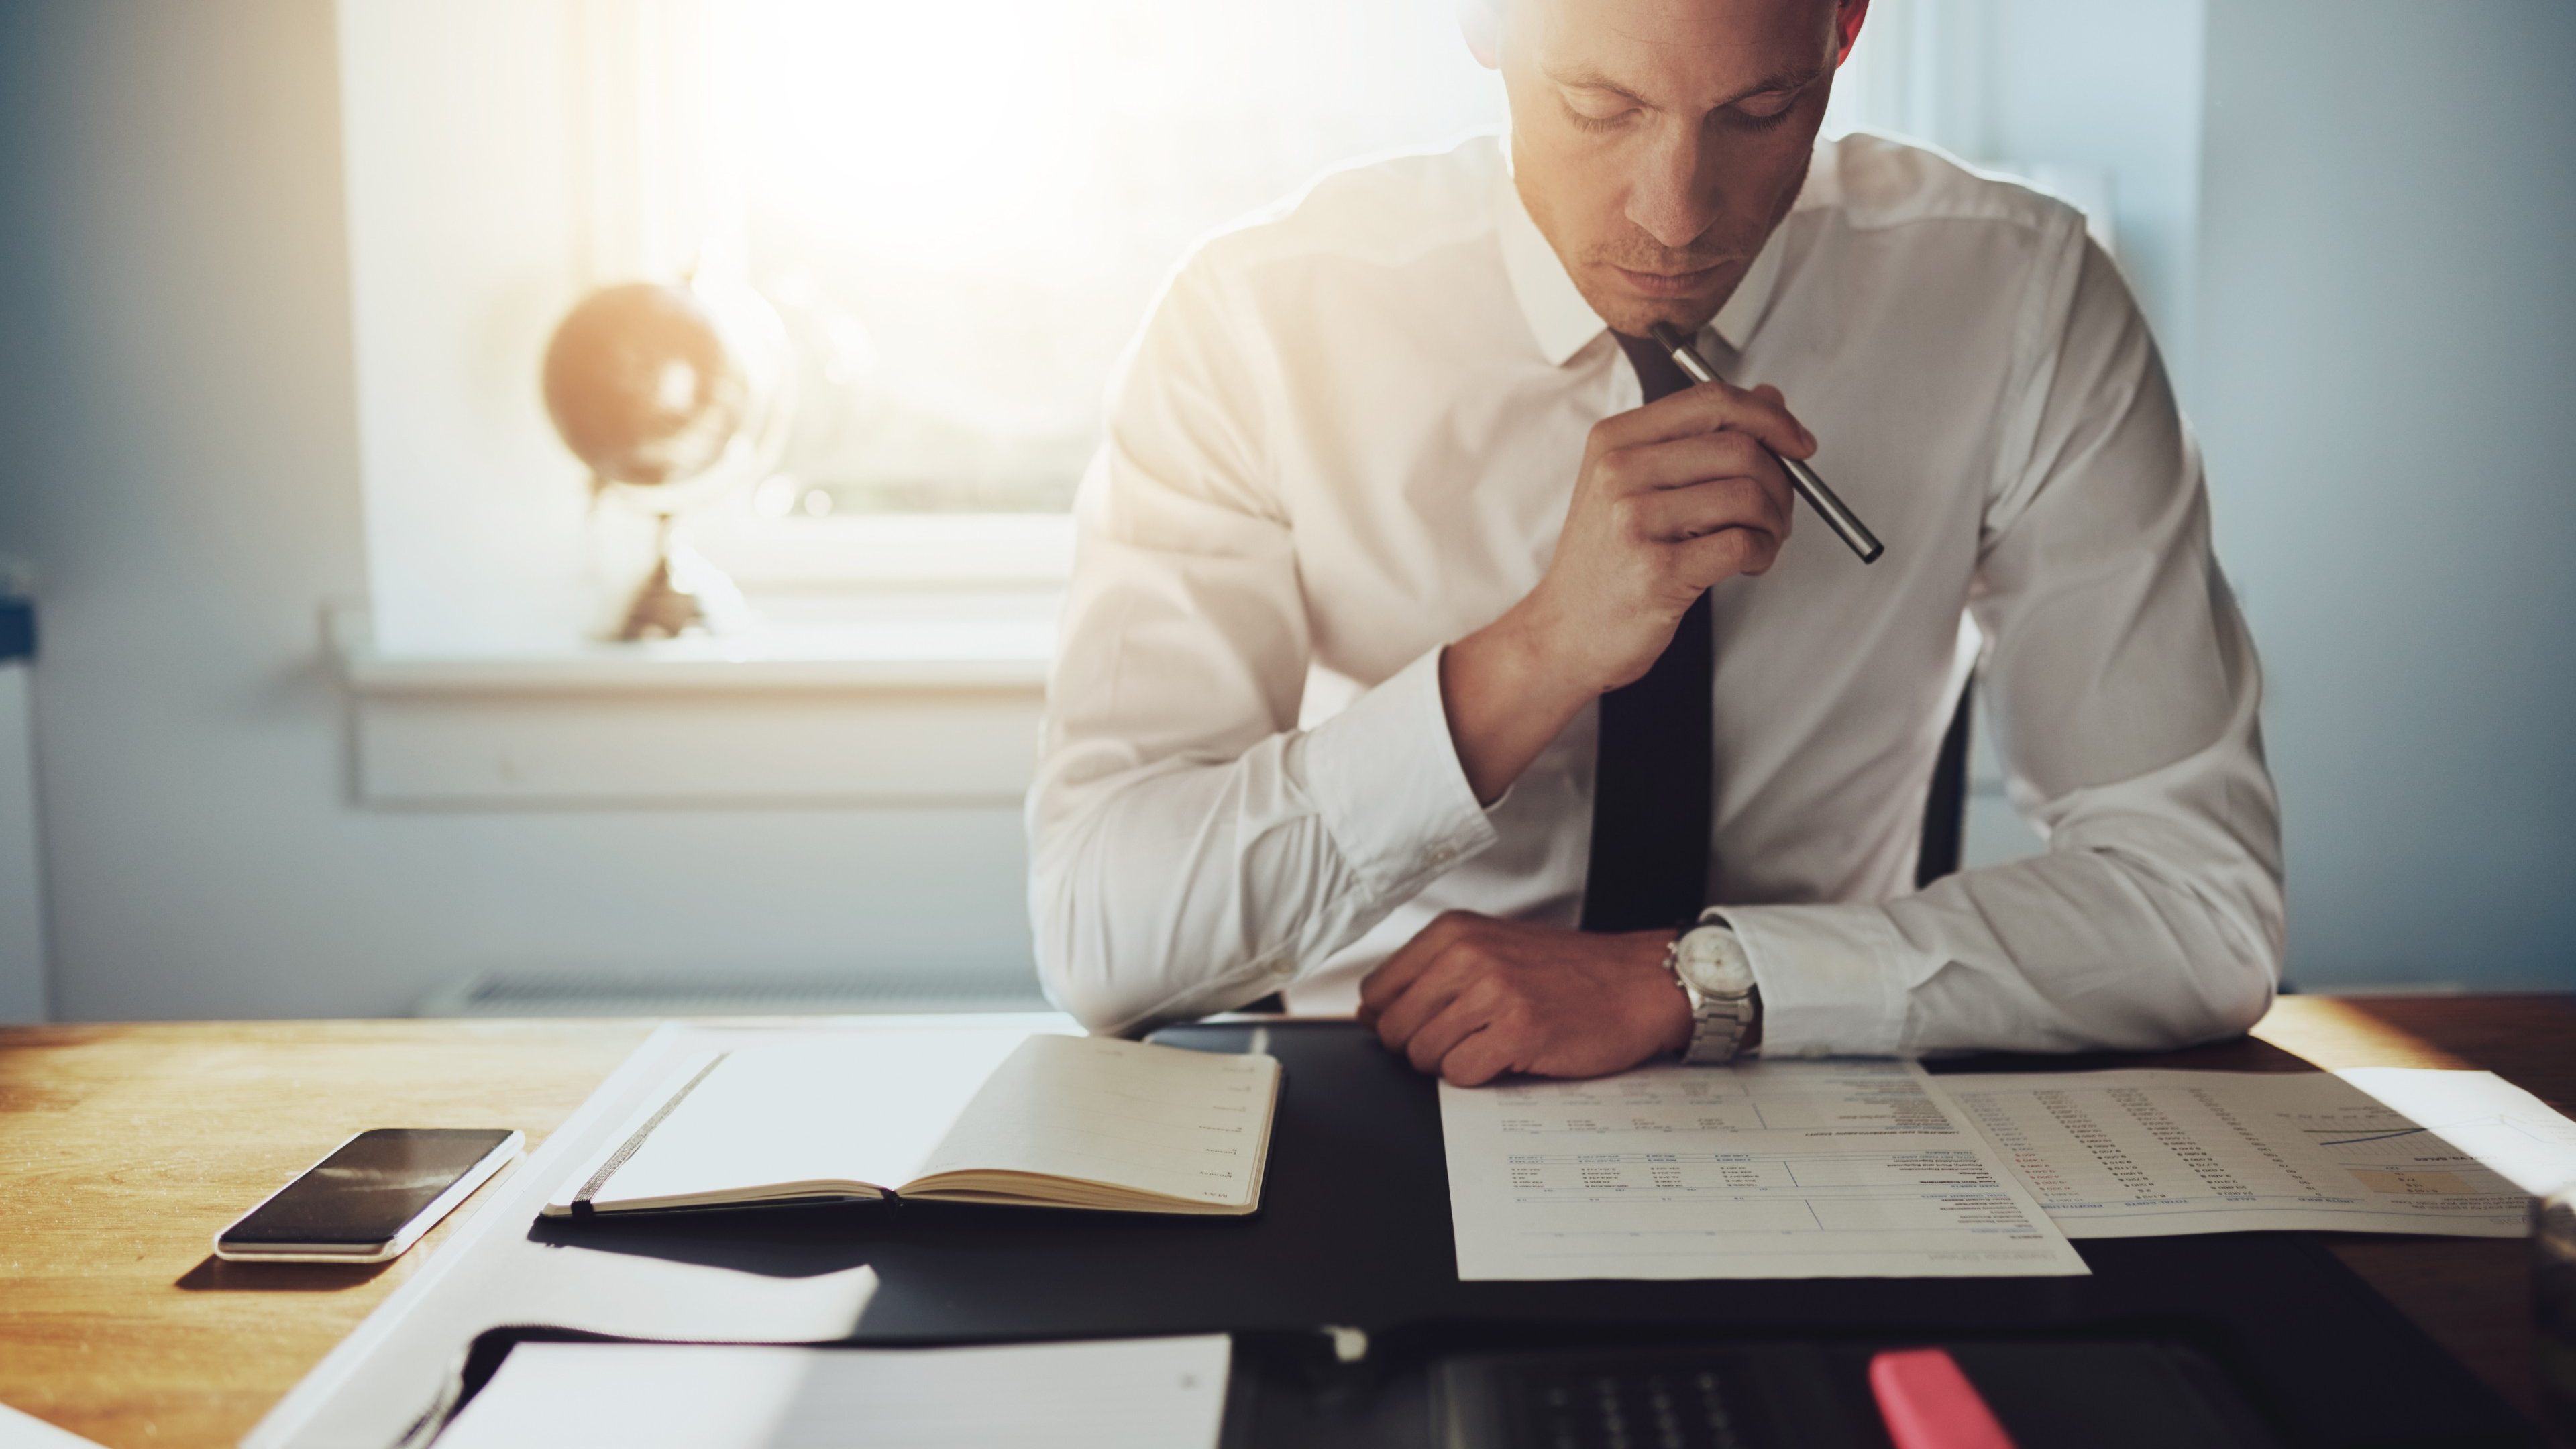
[{"x": 1929, "y": 1404}]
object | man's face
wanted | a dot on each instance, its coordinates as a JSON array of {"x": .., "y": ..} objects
[{"x": 1657, "y": 142}]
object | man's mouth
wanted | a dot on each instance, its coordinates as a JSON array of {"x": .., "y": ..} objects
[{"x": 1668, "y": 284}]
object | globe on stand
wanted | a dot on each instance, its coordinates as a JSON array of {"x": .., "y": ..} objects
[{"x": 672, "y": 396}]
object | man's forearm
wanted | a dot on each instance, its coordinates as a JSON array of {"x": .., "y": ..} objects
[
  {"x": 1505, "y": 702},
  {"x": 1673, "y": 498},
  {"x": 1165, "y": 889},
  {"x": 2072, "y": 950}
]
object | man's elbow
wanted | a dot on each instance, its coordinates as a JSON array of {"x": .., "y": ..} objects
[
  {"x": 1099, "y": 1005},
  {"x": 2233, "y": 990},
  {"x": 2219, "y": 957},
  {"x": 1079, "y": 970},
  {"x": 1081, "y": 983},
  {"x": 2242, "y": 999},
  {"x": 1073, "y": 956},
  {"x": 2245, "y": 979},
  {"x": 2171, "y": 1008}
]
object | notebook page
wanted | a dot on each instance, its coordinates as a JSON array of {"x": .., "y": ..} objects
[
  {"x": 1186, "y": 1124},
  {"x": 1166, "y": 1393},
  {"x": 865, "y": 1108}
]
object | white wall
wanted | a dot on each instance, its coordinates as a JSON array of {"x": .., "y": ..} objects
[
  {"x": 178, "y": 463},
  {"x": 2108, "y": 88},
  {"x": 2387, "y": 333},
  {"x": 2113, "y": 85},
  {"x": 22, "y": 906}
]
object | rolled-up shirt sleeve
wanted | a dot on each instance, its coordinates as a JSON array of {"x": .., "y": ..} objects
[
  {"x": 1192, "y": 848},
  {"x": 2123, "y": 689}
]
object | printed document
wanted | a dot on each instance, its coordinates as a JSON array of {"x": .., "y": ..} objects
[
  {"x": 1839, "y": 1169},
  {"x": 2121, "y": 1154},
  {"x": 2510, "y": 1132}
]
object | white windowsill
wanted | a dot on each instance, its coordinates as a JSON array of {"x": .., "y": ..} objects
[
  {"x": 991, "y": 645},
  {"x": 873, "y": 555},
  {"x": 883, "y": 601},
  {"x": 896, "y": 699}
]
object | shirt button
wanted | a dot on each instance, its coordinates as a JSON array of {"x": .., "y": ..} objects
[{"x": 1443, "y": 854}]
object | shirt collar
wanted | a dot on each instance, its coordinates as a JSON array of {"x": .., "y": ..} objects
[{"x": 1564, "y": 323}]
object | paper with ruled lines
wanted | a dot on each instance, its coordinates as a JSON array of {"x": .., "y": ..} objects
[
  {"x": 966, "y": 1112},
  {"x": 1191, "y": 1126},
  {"x": 1835, "y": 1169},
  {"x": 2151, "y": 1153}
]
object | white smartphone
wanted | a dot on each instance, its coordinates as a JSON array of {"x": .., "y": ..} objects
[{"x": 371, "y": 1198}]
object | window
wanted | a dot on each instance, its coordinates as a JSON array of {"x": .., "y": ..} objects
[{"x": 963, "y": 211}]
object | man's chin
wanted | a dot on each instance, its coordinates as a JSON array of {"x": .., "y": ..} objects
[{"x": 1634, "y": 307}]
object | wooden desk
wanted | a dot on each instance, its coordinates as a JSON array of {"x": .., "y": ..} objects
[{"x": 123, "y": 1148}]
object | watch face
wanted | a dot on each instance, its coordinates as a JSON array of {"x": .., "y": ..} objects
[{"x": 1714, "y": 960}]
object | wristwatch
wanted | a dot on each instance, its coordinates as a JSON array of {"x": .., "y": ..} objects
[{"x": 1710, "y": 966}]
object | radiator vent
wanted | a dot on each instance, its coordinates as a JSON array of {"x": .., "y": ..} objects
[{"x": 613, "y": 993}]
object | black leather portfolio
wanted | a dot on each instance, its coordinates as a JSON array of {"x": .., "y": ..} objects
[{"x": 1354, "y": 1233}]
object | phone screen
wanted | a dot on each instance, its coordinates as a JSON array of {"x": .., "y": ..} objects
[{"x": 365, "y": 1192}]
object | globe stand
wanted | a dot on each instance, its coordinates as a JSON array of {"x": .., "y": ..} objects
[
  {"x": 682, "y": 593},
  {"x": 673, "y": 395}
]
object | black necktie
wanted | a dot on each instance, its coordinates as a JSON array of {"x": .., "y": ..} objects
[{"x": 1653, "y": 781}]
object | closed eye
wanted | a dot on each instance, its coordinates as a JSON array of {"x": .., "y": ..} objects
[
  {"x": 1598, "y": 123},
  {"x": 1746, "y": 116},
  {"x": 1595, "y": 109}
]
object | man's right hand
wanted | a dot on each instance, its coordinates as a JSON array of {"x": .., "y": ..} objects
[{"x": 1673, "y": 497}]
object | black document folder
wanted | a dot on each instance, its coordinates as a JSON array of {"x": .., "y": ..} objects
[
  {"x": 1288, "y": 1392},
  {"x": 1354, "y": 1232},
  {"x": 2046, "y": 1394}
]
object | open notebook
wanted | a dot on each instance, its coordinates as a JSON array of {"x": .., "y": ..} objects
[{"x": 968, "y": 1115}]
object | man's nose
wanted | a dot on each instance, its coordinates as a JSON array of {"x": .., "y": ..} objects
[{"x": 1673, "y": 196}]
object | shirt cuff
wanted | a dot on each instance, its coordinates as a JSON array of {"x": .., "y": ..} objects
[
  {"x": 1831, "y": 978},
  {"x": 1385, "y": 779}
]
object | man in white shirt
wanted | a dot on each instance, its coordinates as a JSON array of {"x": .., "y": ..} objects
[{"x": 1393, "y": 594}]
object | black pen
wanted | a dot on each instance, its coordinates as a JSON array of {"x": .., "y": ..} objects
[{"x": 1845, "y": 523}]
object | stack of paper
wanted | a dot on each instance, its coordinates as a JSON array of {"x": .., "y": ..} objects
[
  {"x": 1166, "y": 1393},
  {"x": 1873, "y": 1169}
]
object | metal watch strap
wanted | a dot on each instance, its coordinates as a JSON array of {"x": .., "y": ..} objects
[{"x": 1719, "y": 1024}]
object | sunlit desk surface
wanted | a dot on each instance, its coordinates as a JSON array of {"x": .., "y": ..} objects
[{"x": 123, "y": 1148}]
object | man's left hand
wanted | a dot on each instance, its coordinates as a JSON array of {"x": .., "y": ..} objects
[{"x": 1472, "y": 998}]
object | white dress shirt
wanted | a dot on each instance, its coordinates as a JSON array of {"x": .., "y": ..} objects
[{"x": 1347, "y": 436}]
